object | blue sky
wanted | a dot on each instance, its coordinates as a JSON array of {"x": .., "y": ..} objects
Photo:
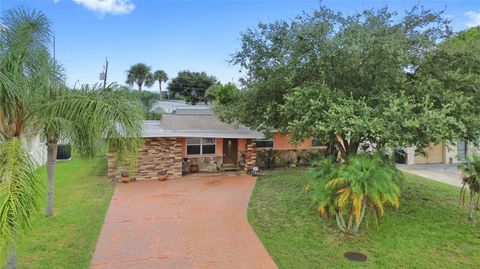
[{"x": 180, "y": 35}]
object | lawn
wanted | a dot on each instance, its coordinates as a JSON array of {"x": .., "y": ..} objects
[
  {"x": 429, "y": 230},
  {"x": 67, "y": 240}
]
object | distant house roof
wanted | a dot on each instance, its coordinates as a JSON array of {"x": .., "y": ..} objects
[{"x": 174, "y": 125}]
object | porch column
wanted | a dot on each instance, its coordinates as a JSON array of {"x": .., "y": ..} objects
[{"x": 251, "y": 155}]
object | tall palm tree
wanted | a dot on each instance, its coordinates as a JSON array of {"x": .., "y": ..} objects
[
  {"x": 160, "y": 76},
  {"x": 28, "y": 78},
  {"x": 140, "y": 74}
]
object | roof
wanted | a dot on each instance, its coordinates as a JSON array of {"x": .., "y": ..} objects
[{"x": 196, "y": 125}]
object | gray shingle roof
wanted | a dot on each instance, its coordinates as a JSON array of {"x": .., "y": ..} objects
[{"x": 175, "y": 125}]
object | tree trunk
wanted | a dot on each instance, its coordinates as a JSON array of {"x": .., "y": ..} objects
[
  {"x": 51, "y": 165},
  {"x": 11, "y": 258},
  {"x": 470, "y": 209},
  {"x": 139, "y": 86},
  {"x": 362, "y": 215},
  {"x": 340, "y": 221},
  {"x": 160, "y": 88}
]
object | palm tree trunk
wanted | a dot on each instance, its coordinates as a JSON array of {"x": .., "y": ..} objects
[
  {"x": 12, "y": 257},
  {"x": 140, "y": 86},
  {"x": 160, "y": 88},
  {"x": 340, "y": 221},
  {"x": 51, "y": 165},
  {"x": 362, "y": 215},
  {"x": 470, "y": 209}
]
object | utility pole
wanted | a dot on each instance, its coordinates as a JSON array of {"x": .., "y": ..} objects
[{"x": 105, "y": 74}]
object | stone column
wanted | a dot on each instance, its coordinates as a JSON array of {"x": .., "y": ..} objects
[{"x": 251, "y": 155}]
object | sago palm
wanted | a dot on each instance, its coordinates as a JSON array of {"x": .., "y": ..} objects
[
  {"x": 365, "y": 182},
  {"x": 471, "y": 179},
  {"x": 140, "y": 74}
]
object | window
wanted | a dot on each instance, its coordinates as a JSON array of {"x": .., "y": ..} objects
[
  {"x": 200, "y": 146},
  {"x": 266, "y": 143},
  {"x": 462, "y": 148}
]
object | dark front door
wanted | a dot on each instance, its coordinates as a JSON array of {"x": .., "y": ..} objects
[{"x": 230, "y": 152}]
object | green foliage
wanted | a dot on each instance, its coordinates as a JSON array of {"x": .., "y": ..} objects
[
  {"x": 413, "y": 236},
  {"x": 147, "y": 100},
  {"x": 365, "y": 183},
  {"x": 68, "y": 239},
  {"x": 471, "y": 178},
  {"x": 140, "y": 74},
  {"x": 19, "y": 191},
  {"x": 160, "y": 76},
  {"x": 34, "y": 101},
  {"x": 453, "y": 68},
  {"x": 360, "y": 78},
  {"x": 191, "y": 85}
]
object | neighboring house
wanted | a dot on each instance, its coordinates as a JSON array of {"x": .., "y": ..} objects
[
  {"x": 193, "y": 135},
  {"x": 37, "y": 150},
  {"x": 442, "y": 153}
]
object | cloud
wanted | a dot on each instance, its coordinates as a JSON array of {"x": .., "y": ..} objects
[
  {"x": 114, "y": 7},
  {"x": 474, "y": 18}
]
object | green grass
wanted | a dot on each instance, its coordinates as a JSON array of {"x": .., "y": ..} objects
[
  {"x": 429, "y": 230},
  {"x": 67, "y": 240}
]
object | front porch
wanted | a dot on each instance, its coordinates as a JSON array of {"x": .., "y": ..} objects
[{"x": 212, "y": 155}]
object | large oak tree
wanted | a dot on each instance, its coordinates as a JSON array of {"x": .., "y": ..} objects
[{"x": 367, "y": 78}]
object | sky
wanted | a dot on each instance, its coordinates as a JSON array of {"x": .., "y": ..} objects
[{"x": 183, "y": 35}]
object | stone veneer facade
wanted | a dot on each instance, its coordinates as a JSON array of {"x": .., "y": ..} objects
[{"x": 158, "y": 156}]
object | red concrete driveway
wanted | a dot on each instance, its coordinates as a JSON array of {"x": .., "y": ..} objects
[{"x": 193, "y": 222}]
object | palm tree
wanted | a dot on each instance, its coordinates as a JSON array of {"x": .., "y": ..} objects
[
  {"x": 366, "y": 182},
  {"x": 471, "y": 178},
  {"x": 160, "y": 76},
  {"x": 140, "y": 74},
  {"x": 28, "y": 78},
  {"x": 85, "y": 133}
]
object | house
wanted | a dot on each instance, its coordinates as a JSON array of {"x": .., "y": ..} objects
[
  {"x": 445, "y": 152},
  {"x": 193, "y": 135}
]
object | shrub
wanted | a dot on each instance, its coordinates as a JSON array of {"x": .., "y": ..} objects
[
  {"x": 367, "y": 183},
  {"x": 471, "y": 178}
]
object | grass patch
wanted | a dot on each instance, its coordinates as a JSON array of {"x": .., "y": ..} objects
[
  {"x": 429, "y": 230},
  {"x": 67, "y": 240}
]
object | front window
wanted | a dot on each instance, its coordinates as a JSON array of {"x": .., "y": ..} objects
[
  {"x": 265, "y": 143},
  {"x": 200, "y": 146}
]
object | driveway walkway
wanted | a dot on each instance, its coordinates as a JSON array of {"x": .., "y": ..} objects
[
  {"x": 446, "y": 173},
  {"x": 193, "y": 222}
]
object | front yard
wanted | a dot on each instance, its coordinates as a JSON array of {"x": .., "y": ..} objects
[
  {"x": 67, "y": 240},
  {"x": 429, "y": 230}
]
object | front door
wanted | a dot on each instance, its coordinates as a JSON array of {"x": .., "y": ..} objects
[{"x": 230, "y": 152}]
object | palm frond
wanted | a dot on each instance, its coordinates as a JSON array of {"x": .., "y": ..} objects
[{"x": 19, "y": 190}]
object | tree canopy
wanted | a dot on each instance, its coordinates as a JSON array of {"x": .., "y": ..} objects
[
  {"x": 191, "y": 85},
  {"x": 366, "y": 78},
  {"x": 140, "y": 74}
]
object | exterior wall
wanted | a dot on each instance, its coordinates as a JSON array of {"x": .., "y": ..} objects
[
  {"x": 209, "y": 163},
  {"x": 441, "y": 153},
  {"x": 158, "y": 156},
  {"x": 281, "y": 141},
  {"x": 435, "y": 154},
  {"x": 37, "y": 149}
]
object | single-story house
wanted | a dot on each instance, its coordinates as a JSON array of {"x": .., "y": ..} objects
[{"x": 195, "y": 136}]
